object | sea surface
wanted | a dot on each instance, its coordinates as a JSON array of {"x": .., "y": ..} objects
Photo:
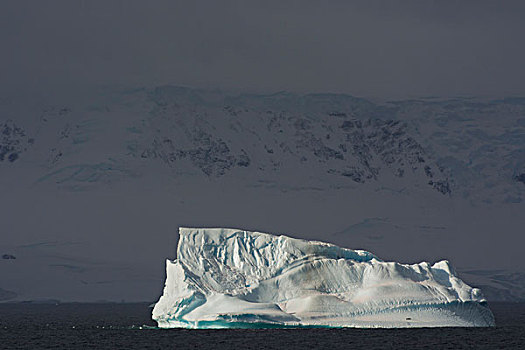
[{"x": 129, "y": 326}]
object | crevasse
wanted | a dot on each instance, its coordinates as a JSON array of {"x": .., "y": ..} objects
[{"x": 229, "y": 278}]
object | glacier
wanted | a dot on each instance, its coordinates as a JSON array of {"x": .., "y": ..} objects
[{"x": 230, "y": 278}]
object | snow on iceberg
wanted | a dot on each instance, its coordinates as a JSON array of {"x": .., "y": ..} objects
[{"x": 228, "y": 278}]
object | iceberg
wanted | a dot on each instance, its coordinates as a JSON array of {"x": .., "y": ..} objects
[{"x": 230, "y": 278}]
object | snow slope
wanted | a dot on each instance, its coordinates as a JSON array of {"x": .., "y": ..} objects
[
  {"x": 84, "y": 177},
  {"x": 235, "y": 278}
]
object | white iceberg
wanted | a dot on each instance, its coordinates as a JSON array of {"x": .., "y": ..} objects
[{"x": 228, "y": 278}]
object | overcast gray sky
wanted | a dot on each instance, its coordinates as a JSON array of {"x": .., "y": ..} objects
[{"x": 367, "y": 48}]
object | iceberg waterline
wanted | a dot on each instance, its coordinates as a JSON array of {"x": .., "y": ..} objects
[{"x": 229, "y": 278}]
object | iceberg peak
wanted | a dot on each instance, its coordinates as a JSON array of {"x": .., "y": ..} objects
[{"x": 237, "y": 278}]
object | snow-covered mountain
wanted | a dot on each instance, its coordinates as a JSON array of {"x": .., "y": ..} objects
[{"x": 110, "y": 172}]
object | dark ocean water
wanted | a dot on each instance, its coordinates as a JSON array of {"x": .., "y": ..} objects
[{"x": 118, "y": 326}]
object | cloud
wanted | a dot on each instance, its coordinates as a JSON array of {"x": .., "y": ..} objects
[{"x": 371, "y": 48}]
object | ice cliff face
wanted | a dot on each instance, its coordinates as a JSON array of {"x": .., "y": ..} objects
[{"x": 235, "y": 278}]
